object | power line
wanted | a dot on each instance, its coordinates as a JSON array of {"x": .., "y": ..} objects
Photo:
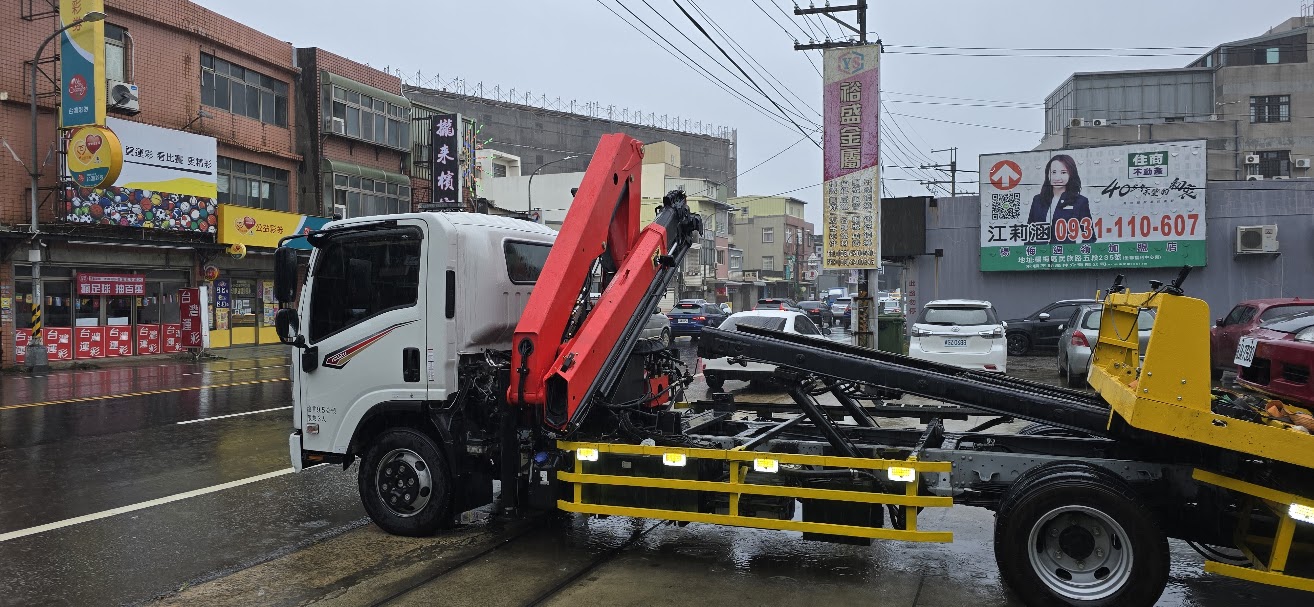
[
  {"x": 1060, "y": 50},
  {"x": 772, "y": 157},
  {"x": 1042, "y": 56},
  {"x": 790, "y": 35},
  {"x": 741, "y": 70}
]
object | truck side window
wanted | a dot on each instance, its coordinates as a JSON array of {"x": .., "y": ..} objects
[
  {"x": 392, "y": 259},
  {"x": 525, "y": 260}
]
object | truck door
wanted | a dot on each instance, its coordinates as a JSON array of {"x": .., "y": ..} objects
[{"x": 365, "y": 325}]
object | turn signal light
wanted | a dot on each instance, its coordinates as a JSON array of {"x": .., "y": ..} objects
[
  {"x": 700, "y": 318},
  {"x": 1079, "y": 339}
]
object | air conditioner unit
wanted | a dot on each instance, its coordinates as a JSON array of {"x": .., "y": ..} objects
[
  {"x": 1256, "y": 239},
  {"x": 122, "y": 97},
  {"x": 1077, "y": 122},
  {"x": 1302, "y": 163},
  {"x": 1254, "y": 177},
  {"x": 1252, "y": 158},
  {"x": 1100, "y": 122},
  {"x": 1280, "y": 177},
  {"x": 338, "y": 126},
  {"x": 340, "y": 211}
]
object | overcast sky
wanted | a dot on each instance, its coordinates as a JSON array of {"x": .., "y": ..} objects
[{"x": 577, "y": 49}]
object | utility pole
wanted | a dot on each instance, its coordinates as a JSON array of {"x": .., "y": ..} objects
[
  {"x": 952, "y": 168},
  {"x": 864, "y": 320}
]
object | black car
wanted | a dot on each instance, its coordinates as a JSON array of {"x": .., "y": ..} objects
[
  {"x": 819, "y": 313},
  {"x": 1041, "y": 329}
]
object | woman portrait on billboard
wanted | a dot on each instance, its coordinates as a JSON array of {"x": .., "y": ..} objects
[{"x": 1060, "y": 204}]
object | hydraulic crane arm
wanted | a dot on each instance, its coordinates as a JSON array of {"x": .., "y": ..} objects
[{"x": 561, "y": 370}]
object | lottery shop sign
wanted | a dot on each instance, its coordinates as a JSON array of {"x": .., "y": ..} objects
[
  {"x": 1124, "y": 206},
  {"x": 111, "y": 284}
]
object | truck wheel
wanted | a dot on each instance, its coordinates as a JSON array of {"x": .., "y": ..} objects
[
  {"x": 405, "y": 483},
  {"x": 1018, "y": 344},
  {"x": 715, "y": 383},
  {"x": 1076, "y": 534}
]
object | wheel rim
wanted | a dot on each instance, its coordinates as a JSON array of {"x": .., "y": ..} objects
[
  {"x": 1017, "y": 344},
  {"x": 1080, "y": 553},
  {"x": 404, "y": 481}
]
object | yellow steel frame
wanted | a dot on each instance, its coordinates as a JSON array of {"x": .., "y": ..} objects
[
  {"x": 1279, "y": 546},
  {"x": 1169, "y": 392},
  {"x": 740, "y": 463}
]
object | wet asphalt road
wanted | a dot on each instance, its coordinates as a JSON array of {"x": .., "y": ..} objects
[{"x": 79, "y": 443}]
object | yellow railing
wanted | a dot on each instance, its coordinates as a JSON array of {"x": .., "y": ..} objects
[
  {"x": 740, "y": 462},
  {"x": 1272, "y": 571}
]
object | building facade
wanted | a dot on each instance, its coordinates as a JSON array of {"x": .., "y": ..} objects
[
  {"x": 218, "y": 98},
  {"x": 1250, "y": 99},
  {"x": 778, "y": 244},
  {"x": 540, "y": 136}
]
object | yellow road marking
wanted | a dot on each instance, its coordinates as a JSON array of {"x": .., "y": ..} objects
[{"x": 135, "y": 394}]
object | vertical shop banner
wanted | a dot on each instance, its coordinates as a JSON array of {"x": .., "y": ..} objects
[
  {"x": 1126, "y": 206},
  {"x": 81, "y": 65},
  {"x": 148, "y": 339},
  {"x": 6, "y": 304},
  {"x": 223, "y": 302},
  {"x": 118, "y": 341},
  {"x": 851, "y": 192},
  {"x": 444, "y": 154},
  {"x": 90, "y": 342},
  {"x": 21, "y": 339},
  {"x": 195, "y": 326},
  {"x": 59, "y": 342}
]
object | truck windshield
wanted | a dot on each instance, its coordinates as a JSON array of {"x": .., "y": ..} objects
[{"x": 386, "y": 261}]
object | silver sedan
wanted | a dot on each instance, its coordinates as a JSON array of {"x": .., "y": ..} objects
[{"x": 1080, "y": 334}]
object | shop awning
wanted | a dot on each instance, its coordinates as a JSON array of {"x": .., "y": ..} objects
[{"x": 347, "y": 168}]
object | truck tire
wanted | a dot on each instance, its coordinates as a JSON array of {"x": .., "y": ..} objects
[
  {"x": 405, "y": 483},
  {"x": 1073, "y": 533}
]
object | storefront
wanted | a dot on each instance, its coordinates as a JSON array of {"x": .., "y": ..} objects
[{"x": 242, "y": 304}]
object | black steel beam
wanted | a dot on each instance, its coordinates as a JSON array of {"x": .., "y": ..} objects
[{"x": 996, "y": 394}]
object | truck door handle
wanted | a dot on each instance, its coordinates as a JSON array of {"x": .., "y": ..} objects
[{"x": 411, "y": 364}]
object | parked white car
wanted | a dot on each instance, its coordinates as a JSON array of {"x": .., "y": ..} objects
[
  {"x": 961, "y": 332},
  {"x": 717, "y": 370}
]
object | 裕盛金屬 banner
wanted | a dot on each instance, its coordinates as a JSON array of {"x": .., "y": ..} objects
[{"x": 851, "y": 222}]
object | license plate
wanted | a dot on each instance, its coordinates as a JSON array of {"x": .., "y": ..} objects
[
  {"x": 1245, "y": 351},
  {"x": 955, "y": 342},
  {"x": 683, "y": 321}
]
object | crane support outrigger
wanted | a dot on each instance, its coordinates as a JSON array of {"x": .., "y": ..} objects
[{"x": 446, "y": 350}]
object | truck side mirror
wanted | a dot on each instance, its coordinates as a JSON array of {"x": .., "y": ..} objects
[
  {"x": 359, "y": 283},
  {"x": 285, "y": 275},
  {"x": 288, "y": 327}
]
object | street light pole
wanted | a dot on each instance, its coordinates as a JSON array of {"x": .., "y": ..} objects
[
  {"x": 37, "y": 355},
  {"x": 531, "y": 179}
]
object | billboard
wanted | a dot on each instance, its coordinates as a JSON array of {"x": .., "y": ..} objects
[
  {"x": 263, "y": 228},
  {"x": 168, "y": 181},
  {"x": 851, "y": 158},
  {"x": 1125, "y": 206},
  {"x": 444, "y": 154},
  {"x": 81, "y": 65}
]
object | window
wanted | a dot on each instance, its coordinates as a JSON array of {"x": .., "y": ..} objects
[
  {"x": 365, "y": 196},
  {"x": 1283, "y": 311},
  {"x": 499, "y": 170},
  {"x": 525, "y": 260},
  {"x": 252, "y": 185},
  {"x": 804, "y": 326},
  {"x": 720, "y": 257},
  {"x": 1270, "y": 108},
  {"x": 381, "y": 268},
  {"x": 118, "y": 54},
  {"x": 1275, "y": 164},
  {"x": 768, "y": 234},
  {"x": 768, "y": 263},
  {"x": 775, "y": 323},
  {"x": 1061, "y": 313},
  {"x": 241, "y": 91},
  {"x": 960, "y": 316},
  {"x": 736, "y": 260},
  {"x": 1238, "y": 315},
  {"x": 373, "y": 120}
]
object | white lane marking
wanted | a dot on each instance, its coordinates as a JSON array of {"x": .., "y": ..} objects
[
  {"x": 206, "y": 419},
  {"x": 4, "y": 537}
]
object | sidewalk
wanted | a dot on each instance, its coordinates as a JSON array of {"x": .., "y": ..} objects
[{"x": 233, "y": 353}]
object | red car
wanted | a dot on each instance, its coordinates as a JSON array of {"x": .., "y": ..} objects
[
  {"x": 1276, "y": 359},
  {"x": 1244, "y": 318}
]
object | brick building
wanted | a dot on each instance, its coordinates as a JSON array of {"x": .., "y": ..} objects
[
  {"x": 219, "y": 88},
  {"x": 354, "y": 129}
]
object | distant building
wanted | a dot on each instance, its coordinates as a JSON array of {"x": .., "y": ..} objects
[
  {"x": 778, "y": 244},
  {"x": 539, "y": 136},
  {"x": 1249, "y": 99}
]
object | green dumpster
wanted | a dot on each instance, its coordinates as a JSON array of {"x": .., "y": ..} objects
[{"x": 889, "y": 336}]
